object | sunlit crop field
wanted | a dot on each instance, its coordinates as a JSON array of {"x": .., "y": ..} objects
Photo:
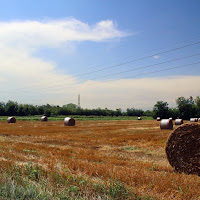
[{"x": 96, "y": 154}]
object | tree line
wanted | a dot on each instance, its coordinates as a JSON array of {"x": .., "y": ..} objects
[
  {"x": 186, "y": 108},
  {"x": 12, "y": 108}
]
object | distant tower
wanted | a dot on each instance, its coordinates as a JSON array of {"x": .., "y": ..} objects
[{"x": 79, "y": 101}]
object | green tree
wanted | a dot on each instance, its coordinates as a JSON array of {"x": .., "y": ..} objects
[
  {"x": 11, "y": 108},
  {"x": 40, "y": 110},
  {"x": 20, "y": 110},
  {"x": 197, "y": 101},
  {"x": 148, "y": 113},
  {"x": 118, "y": 112},
  {"x": 2, "y": 108},
  {"x": 134, "y": 112},
  {"x": 174, "y": 113},
  {"x": 161, "y": 110},
  {"x": 55, "y": 110},
  {"x": 47, "y": 112},
  {"x": 71, "y": 106},
  {"x": 187, "y": 107},
  {"x": 32, "y": 110}
]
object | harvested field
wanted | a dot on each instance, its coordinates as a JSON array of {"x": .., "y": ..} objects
[{"x": 100, "y": 152}]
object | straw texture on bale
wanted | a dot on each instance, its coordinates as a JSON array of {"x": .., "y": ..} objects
[
  {"x": 193, "y": 120},
  {"x": 178, "y": 121},
  {"x": 166, "y": 124},
  {"x": 69, "y": 121},
  {"x": 44, "y": 119},
  {"x": 183, "y": 149},
  {"x": 139, "y": 118},
  {"x": 11, "y": 120}
]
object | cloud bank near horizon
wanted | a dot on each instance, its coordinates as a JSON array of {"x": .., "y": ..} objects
[{"x": 139, "y": 93}]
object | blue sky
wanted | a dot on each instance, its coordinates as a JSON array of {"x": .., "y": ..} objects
[{"x": 54, "y": 50}]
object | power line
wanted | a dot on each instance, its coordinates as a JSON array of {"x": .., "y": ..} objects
[
  {"x": 142, "y": 58},
  {"x": 138, "y": 68},
  {"x": 152, "y": 72},
  {"x": 129, "y": 76},
  {"x": 167, "y": 69},
  {"x": 120, "y": 64},
  {"x": 147, "y": 66},
  {"x": 177, "y": 43},
  {"x": 116, "y": 60}
]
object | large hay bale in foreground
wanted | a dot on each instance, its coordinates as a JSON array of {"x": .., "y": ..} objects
[
  {"x": 183, "y": 149},
  {"x": 11, "y": 120},
  {"x": 44, "y": 119},
  {"x": 69, "y": 121},
  {"x": 166, "y": 124}
]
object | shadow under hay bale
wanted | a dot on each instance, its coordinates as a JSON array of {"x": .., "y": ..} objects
[
  {"x": 166, "y": 124},
  {"x": 11, "y": 120},
  {"x": 69, "y": 121},
  {"x": 183, "y": 149},
  {"x": 44, "y": 119},
  {"x": 178, "y": 121}
]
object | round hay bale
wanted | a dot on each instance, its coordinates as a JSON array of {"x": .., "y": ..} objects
[
  {"x": 44, "y": 119},
  {"x": 139, "y": 118},
  {"x": 193, "y": 120},
  {"x": 178, "y": 121},
  {"x": 171, "y": 118},
  {"x": 158, "y": 119},
  {"x": 199, "y": 119},
  {"x": 166, "y": 124},
  {"x": 69, "y": 121},
  {"x": 183, "y": 149},
  {"x": 11, "y": 120}
]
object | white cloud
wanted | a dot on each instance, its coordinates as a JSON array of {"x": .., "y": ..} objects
[
  {"x": 156, "y": 56},
  {"x": 56, "y": 32},
  {"x": 20, "y": 68}
]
